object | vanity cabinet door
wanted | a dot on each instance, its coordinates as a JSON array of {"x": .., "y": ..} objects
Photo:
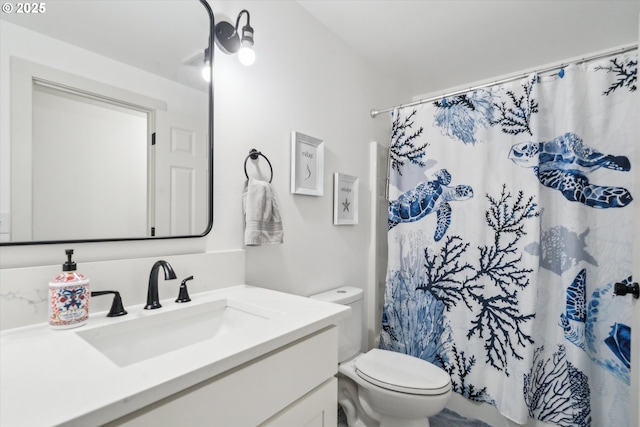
[
  {"x": 316, "y": 409},
  {"x": 289, "y": 381}
]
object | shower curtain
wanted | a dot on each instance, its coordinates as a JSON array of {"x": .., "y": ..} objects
[{"x": 509, "y": 223}]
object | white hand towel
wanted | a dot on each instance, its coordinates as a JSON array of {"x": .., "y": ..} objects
[{"x": 263, "y": 223}]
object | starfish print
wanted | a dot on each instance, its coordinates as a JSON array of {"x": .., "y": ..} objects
[{"x": 345, "y": 205}]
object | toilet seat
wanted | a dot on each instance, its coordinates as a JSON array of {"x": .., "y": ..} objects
[{"x": 402, "y": 373}]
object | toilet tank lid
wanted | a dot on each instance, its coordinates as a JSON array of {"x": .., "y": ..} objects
[{"x": 342, "y": 295}]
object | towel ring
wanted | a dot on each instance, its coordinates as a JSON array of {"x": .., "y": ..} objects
[{"x": 253, "y": 154}]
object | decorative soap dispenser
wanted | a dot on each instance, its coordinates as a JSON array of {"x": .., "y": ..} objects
[{"x": 68, "y": 297}]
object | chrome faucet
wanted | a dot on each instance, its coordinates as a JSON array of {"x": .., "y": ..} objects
[{"x": 152, "y": 292}]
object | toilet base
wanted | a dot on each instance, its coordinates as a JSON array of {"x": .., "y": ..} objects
[
  {"x": 360, "y": 414},
  {"x": 358, "y": 397},
  {"x": 354, "y": 421},
  {"x": 350, "y": 403}
]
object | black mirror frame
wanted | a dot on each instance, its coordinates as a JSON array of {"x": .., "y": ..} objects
[{"x": 209, "y": 56}]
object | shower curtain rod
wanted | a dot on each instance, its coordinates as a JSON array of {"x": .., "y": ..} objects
[{"x": 626, "y": 49}]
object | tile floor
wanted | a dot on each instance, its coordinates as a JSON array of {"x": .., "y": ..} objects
[{"x": 446, "y": 418}]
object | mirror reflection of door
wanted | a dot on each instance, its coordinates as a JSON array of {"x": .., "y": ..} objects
[
  {"x": 78, "y": 141},
  {"x": 83, "y": 165},
  {"x": 181, "y": 172}
]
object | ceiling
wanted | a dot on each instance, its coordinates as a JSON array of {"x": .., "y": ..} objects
[
  {"x": 433, "y": 45},
  {"x": 427, "y": 45}
]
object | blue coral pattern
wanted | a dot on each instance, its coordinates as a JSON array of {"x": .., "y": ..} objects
[{"x": 514, "y": 289}]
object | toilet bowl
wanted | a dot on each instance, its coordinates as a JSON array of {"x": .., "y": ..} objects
[{"x": 380, "y": 387}]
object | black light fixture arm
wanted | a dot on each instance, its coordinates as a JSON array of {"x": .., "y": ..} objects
[
  {"x": 247, "y": 31},
  {"x": 240, "y": 16}
]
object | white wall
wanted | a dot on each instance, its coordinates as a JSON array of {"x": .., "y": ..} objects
[{"x": 304, "y": 79}]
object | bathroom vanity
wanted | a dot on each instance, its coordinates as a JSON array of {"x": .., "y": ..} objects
[{"x": 238, "y": 356}]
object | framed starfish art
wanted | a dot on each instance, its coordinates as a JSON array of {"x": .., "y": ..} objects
[{"x": 345, "y": 199}]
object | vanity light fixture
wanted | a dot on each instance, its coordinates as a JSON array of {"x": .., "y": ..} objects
[{"x": 230, "y": 41}]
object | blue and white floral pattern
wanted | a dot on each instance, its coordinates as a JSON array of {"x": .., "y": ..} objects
[{"x": 513, "y": 293}]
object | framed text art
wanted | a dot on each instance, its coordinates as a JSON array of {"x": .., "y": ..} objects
[
  {"x": 307, "y": 164},
  {"x": 345, "y": 199}
]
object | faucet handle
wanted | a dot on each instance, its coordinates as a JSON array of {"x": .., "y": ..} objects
[
  {"x": 117, "y": 309},
  {"x": 183, "y": 295}
]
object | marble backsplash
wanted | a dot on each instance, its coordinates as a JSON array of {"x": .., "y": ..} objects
[{"x": 24, "y": 291}]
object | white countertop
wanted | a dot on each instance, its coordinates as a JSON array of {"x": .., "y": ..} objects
[{"x": 54, "y": 377}]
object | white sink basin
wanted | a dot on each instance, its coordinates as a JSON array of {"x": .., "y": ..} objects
[{"x": 138, "y": 339}]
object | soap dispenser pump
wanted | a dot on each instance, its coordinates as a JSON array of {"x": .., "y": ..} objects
[{"x": 68, "y": 297}]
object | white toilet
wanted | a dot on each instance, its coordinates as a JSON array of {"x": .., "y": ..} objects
[{"x": 383, "y": 388}]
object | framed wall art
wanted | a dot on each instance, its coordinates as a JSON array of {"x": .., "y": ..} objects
[
  {"x": 345, "y": 199},
  {"x": 307, "y": 164}
]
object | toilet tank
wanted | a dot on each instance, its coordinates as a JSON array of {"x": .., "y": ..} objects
[{"x": 349, "y": 329}]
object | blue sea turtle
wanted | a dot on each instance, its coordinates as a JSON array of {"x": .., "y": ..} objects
[
  {"x": 580, "y": 326},
  {"x": 428, "y": 197},
  {"x": 575, "y": 317},
  {"x": 551, "y": 162}
]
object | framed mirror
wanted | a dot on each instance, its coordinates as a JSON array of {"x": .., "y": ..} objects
[{"x": 106, "y": 121}]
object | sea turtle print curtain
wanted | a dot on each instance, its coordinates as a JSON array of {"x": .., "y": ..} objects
[{"x": 509, "y": 224}]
